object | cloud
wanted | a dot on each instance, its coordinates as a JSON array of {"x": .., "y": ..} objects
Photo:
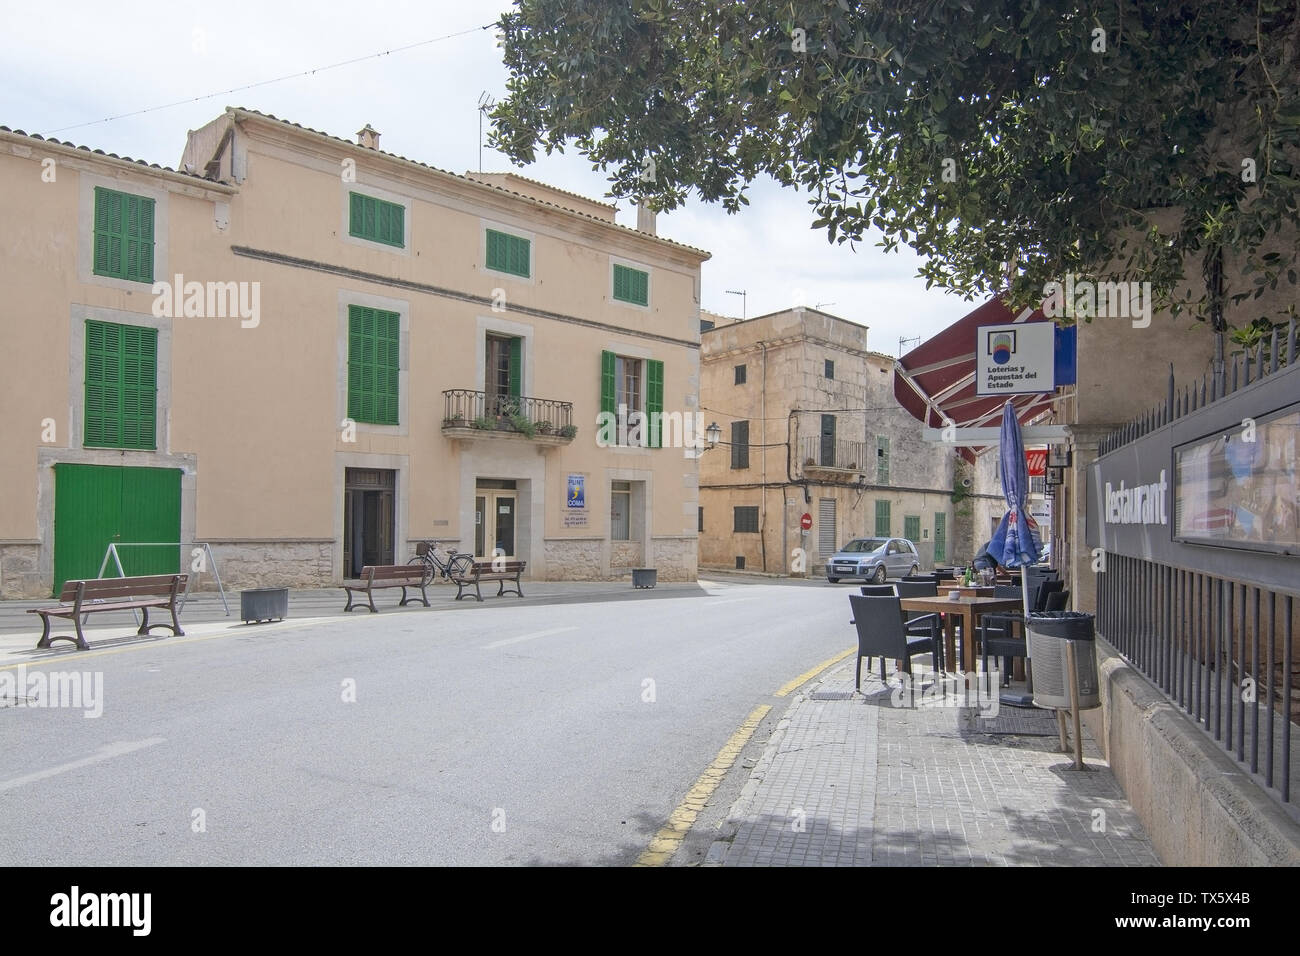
[{"x": 95, "y": 63}]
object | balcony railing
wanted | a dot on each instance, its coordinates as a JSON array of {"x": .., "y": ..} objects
[
  {"x": 845, "y": 456},
  {"x": 468, "y": 411}
]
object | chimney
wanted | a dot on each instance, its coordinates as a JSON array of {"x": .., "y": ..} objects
[
  {"x": 368, "y": 137},
  {"x": 645, "y": 220}
]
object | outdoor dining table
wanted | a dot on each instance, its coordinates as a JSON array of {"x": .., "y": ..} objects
[
  {"x": 967, "y": 590},
  {"x": 968, "y": 611}
]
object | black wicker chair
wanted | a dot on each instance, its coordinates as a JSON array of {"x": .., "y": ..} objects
[{"x": 881, "y": 633}]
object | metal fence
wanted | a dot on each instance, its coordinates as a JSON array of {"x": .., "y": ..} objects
[
  {"x": 1221, "y": 648},
  {"x": 463, "y": 405},
  {"x": 846, "y": 455}
]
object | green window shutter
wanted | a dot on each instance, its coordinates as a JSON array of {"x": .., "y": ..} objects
[
  {"x": 356, "y": 213},
  {"x": 376, "y": 220},
  {"x": 124, "y": 233},
  {"x": 374, "y": 359},
  {"x": 882, "y": 519},
  {"x": 940, "y": 537},
  {"x": 882, "y": 460},
  {"x": 108, "y": 232},
  {"x": 138, "y": 238},
  {"x": 631, "y": 285},
  {"x": 496, "y": 250},
  {"x": 654, "y": 400},
  {"x": 121, "y": 386},
  {"x": 139, "y": 386},
  {"x": 607, "y": 390},
  {"x": 103, "y": 427},
  {"x": 519, "y": 256},
  {"x": 912, "y": 527},
  {"x": 516, "y": 366},
  {"x": 507, "y": 253},
  {"x": 740, "y": 444}
]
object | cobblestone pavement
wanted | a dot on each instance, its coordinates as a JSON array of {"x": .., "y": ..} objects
[{"x": 853, "y": 780}]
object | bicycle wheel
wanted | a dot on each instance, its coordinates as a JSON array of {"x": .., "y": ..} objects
[
  {"x": 459, "y": 564},
  {"x": 428, "y": 568}
]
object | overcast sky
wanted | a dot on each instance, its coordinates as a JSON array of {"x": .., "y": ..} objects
[{"x": 77, "y": 62}]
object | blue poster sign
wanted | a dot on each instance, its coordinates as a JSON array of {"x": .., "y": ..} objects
[
  {"x": 577, "y": 494},
  {"x": 1067, "y": 355}
]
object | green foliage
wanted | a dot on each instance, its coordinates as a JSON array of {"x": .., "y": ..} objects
[
  {"x": 484, "y": 423},
  {"x": 568, "y": 431},
  {"x": 980, "y": 133},
  {"x": 521, "y": 423}
]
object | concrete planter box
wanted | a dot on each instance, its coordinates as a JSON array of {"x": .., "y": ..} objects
[
  {"x": 263, "y": 604},
  {"x": 644, "y": 577}
]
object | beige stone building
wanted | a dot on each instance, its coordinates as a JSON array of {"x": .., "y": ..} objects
[
  {"x": 810, "y": 426},
  {"x": 311, "y": 354}
]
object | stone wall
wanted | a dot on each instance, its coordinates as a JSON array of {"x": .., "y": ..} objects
[
  {"x": 676, "y": 558},
  {"x": 20, "y": 575},
  {"x": 624, "y": 555},
  {"x": 574, "y": 559},
  {"x": 594, "y": 559},
  {"x": 292, "y": 564}
]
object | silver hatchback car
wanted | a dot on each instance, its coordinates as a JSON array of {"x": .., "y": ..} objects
[{"x": 873, "y": 559}]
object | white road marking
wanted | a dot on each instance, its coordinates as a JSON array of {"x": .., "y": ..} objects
[
  {"x": 528, "y": 637},
  {"x": 106, "y": 752},
  {"x": 727, "y": 601}
]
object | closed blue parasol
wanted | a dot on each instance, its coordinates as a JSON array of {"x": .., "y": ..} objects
[{"x": 1016, "y": 542}]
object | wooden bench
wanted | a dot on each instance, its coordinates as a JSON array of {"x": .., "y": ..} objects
[
  {"x": 374, "y": 577},
  {"x": 79, "y": 598},
  {"x": 502, "y": 571}
]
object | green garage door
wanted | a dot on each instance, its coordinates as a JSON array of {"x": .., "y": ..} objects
[{"x": 98, "y": 504}]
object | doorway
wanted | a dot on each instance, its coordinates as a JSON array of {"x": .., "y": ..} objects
[
  {"x": 368, "y": 518},
  {"x": 496, "y": 509}
]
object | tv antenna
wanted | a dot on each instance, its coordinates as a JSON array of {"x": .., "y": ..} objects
[
  {"x": 485, "y": 103},
  {"x": 903, "y": 341},
  {"x": 744, "y": 301}
]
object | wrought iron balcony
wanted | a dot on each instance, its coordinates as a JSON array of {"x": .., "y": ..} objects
[
  {"x": 836, "y": 460},
  {"x": 470, "y": 414}
]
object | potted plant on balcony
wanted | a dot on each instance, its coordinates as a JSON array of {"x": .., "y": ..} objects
[
  {"x": 521, "y": 424},
  {"x": 544, "y": 427},
  {"x": 568, "y": 431}
]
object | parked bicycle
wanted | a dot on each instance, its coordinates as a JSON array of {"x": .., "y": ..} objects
[{"x": 455, "y": 563}]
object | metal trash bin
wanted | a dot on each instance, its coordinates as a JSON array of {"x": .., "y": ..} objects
[
  {"x": 1049, "y": 634},
  {"x": 644, "y": 577},
  {"x": 263, "y": 604}
]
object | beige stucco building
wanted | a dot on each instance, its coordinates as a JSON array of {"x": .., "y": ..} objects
[
  {"x": 311, "y": 354},
  {"x": 810, "y": 426}
]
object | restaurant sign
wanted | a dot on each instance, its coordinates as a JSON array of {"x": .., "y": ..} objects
[{"x": 1216, "y": 491}]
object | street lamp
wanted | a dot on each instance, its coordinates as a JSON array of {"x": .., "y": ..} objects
[{"x": 712, "y": 435}]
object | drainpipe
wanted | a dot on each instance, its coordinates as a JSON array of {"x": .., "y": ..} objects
[{"x": 762, "y": 431}]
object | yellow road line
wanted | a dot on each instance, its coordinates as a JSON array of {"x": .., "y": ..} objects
[
  {"x": 806, "y": 676},
  {"x": 669, "y": 839}
]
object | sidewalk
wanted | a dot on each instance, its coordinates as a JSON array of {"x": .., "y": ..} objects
[
  {"x": 204, "y": 614},
  {"x": 854, "y": 781}
]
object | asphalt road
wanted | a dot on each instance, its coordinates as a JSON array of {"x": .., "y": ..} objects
[{"x": 504, "y": 734}]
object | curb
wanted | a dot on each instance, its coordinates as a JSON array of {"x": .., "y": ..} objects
[{"x": 731, "y": 823}]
